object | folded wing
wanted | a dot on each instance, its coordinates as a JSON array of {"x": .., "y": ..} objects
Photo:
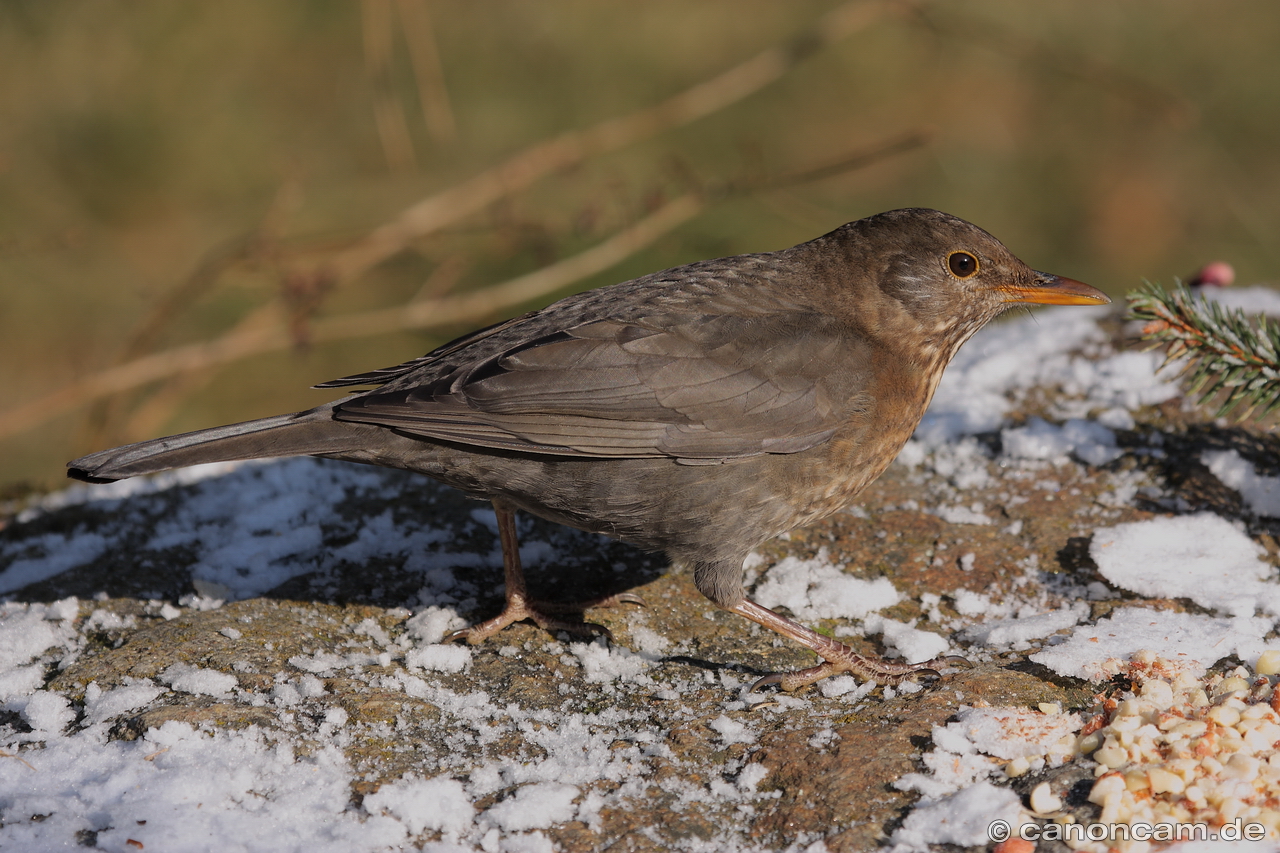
[{"x": 700, "y": 389}]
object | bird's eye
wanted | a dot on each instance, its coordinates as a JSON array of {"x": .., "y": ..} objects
[{"x": 962, "y": 264}]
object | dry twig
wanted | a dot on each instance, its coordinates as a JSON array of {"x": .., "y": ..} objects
[
  {"x": 433, "y": 94},
  {"x": 388, "y": 113},
  {"x": 272, "y": 334},
  {"x": 268, "y": 328},
  {"x": 517, "y": 173}
]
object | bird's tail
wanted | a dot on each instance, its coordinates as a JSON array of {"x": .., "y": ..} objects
[{"x": 307, "y": 433}]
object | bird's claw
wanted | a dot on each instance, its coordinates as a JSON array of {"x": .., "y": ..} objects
[
  {"x": 579, "y": 606},
  {"x": 538, "y": 612},
  {"x": 871, "y": 669}
]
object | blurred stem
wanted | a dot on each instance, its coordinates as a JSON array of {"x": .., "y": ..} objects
[
  {"x": 517, "y": 173},
  {"x": 1143, "y": 96},
  {"x": 393, "y": 127},
  {"x": 270, "y": 328},
  {"x": 433, "y": 94},
  {"x": 261, "y": 244},
  {"x": 273, "y": 334},
  {"x": 253, "y": 336}
]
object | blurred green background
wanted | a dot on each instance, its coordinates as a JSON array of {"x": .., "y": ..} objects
[{"x": 171, "y": 172}]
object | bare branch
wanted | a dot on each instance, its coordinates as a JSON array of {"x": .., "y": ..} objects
[
  {"x": 433, "y": 94},
  {"x": 393, "y": 127},
  {"x": 449, "y": 206},
  {"x": 272, "y": 332},
  {"x": 523, "y": 169}
]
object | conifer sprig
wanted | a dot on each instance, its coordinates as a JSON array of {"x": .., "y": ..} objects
[{"x": 1225, "y": 351}]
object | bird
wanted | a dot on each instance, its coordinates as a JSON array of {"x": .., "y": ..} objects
[{"x": 699, "y": 411}]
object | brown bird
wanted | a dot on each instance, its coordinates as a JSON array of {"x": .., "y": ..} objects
[{"x": 698, "y": 411}]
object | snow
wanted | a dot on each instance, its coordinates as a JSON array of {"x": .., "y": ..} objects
[
  {"x": 26, "y": 630},
  {"x": 818, "y": 589},
  {"x": 440, "y": 804},
  {"x": 962, "y": 818},
  {"x": 1193, "y": 640},
  {"x": 907, "y": 641},
  {"x": 1202, "y": 557},
  {"x": 731, "y": 731},
  {"x": 101, "y": 705},
  {"x": 45, "y": 712},
  {"x": 1087, "y": 440},
  {"x": 50, "y": 555},
  {"x": 194, "y": 679},
  {"x": 188, "y": 787},
  {"x": 1016, "y": 633},
  {"x": 439, "y": 658},
  {"x": 602, "y": 664},
  {"x": 536, "y": 806},
  {"x": 248, "y": 529},
  {"x": 978, "y": 744},
  {"x": 1251, "y": 300},
  {"x": 1013, "y": 733},
  {"x": 972, "y": 514},
  {"x": 973, "y": 395},
  {"x": 1260, "y": 493}
]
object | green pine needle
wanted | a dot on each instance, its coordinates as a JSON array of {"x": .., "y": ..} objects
[{"x": 1225, "y": 352}]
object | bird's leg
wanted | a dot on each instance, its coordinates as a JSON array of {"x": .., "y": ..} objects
[
  {"x": 837, "y": 656},
  {"x": 520, "y": 606}
]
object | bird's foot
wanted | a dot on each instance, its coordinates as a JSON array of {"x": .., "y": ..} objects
[
  {"x": 874, "y": 669},
  {"x": 521, "y": 607},
  {"x": 837, "y": 656},
  {"x": 540, "y": 613}
]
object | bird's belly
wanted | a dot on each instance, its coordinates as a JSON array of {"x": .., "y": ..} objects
[{"x": 690, "y": 511}]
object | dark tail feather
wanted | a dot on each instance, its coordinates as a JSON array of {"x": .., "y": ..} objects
[{"x": 302, "y": 434}]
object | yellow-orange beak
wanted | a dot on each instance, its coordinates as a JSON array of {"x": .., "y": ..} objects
[{"x": 1055, "y": 290}]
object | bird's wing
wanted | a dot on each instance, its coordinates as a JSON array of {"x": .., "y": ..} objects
[
  {"x": 387, "y": 374},
  {"x": 697, "y": 388}
]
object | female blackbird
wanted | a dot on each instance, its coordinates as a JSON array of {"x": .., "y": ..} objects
[{"x": 698, "y": 411}]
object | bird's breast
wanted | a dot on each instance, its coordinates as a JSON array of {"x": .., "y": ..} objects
[{"x": 889, "y": 411}]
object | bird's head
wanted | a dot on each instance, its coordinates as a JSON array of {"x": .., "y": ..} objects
[{"x": 925, "y": 273}]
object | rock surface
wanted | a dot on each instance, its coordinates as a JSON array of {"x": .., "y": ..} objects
[{"x": 650, "y": 743}]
